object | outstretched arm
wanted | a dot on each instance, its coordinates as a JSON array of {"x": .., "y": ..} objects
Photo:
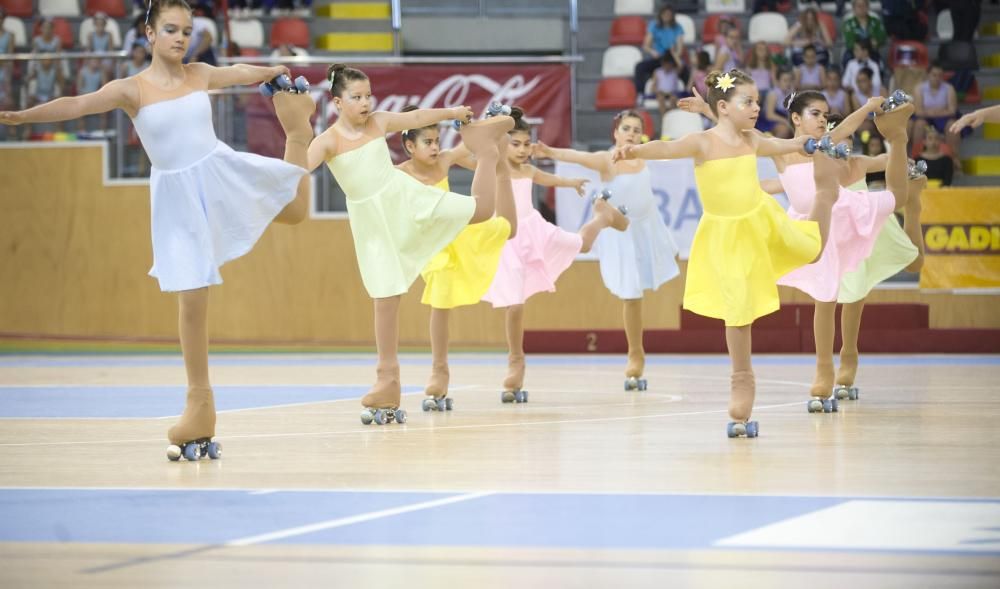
[
  {"x": 697, "y": 105},
  {"x": 321, "y": 149},
  {"x": 118, "y": 94},
  {"x": 460, "y": 155},
  {"x": 687, "y": 146},
  {"x": 393, "y": 122},
  {"x": 853, "y": 121},
  {"x": 771, "y": 146},
  {"x": 239, "y": 74},
  {"x": 600, "y": 161},
  {"x": 990, "y": 114},
  {"x": 546, "y": 179}
]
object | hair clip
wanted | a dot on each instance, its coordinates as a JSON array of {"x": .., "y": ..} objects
[
  {"x": 148, "y": 8},
  {"x": 830, "y": 126},
  {"x": 724, "y": 82}
]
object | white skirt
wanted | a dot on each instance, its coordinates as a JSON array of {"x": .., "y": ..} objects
[{"x": 214, "y": 211}]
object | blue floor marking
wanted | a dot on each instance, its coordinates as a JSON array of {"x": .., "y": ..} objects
[
  {"x": 142, "y": 401},
  {"x": 488, "y": 360}
]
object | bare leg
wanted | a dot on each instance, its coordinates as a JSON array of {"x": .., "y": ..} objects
[
  {"x": 892, "y": 125},
  {"x": 437, "y": 386},
  {"x": 850, "y": 326},
  {"x": 826, "y": 171},
  {"x": 198, "y": 419},
  {"x": 482, "y": 138},
  {"x": 605, "y": 215},
  {"x": 743, "y": 386},
  {"x": 506, "y": 207},
  {"x": 632, "y": 312},
  {"x": 293, "y": 112},
  {"x": 823, "y": 332},
  {"x": 911, "y": 221},
  {"x": 386, "y": 391},
  {"x": 515, "y": 348}
]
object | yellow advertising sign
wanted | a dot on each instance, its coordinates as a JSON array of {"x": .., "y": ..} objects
[{"x": 961, "y": 228}]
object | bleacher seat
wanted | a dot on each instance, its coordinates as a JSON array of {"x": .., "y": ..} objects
[
  {"x": 294, "y": 31},
  {"x": 627, "y": 30},
  {"x": 687, "y": 24},
  {"x": 725, "y": 6},
  {"x": 916, "y": 50},
  {"x": 678, "y": 123},
  {"x": 112, "y": 8},
  {"x": 829, "y": 23},
  {"x": 944, "y": 26},
  {"x": 620, "y": 61},
  {"x": 615, "y": 94},
  {"x": 61, "y": 28},
  {"x": 247, "y": 32},
  {"x": 769, "y": 27},
  {"x": 213, "y": 29},
  {"x": 644, "y": 7},
  {"x": 710, "y": 27},
  {"x": 87, "y": 26},
  {"x": 58, "y": 8},
  {"x": 19, "y": 8},
  {"x": 16, "y": 27}
]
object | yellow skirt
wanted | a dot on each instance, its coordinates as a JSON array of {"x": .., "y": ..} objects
[{"x": 463, "y": 271}]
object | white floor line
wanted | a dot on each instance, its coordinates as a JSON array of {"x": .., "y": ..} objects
[
  {"x": 391, "y": 429},
  {"x": 354, "y": 519},
  {"x": 263, "y": 492}
]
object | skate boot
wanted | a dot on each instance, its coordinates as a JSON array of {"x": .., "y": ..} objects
[
  {"x": 615, "y": 217},
  {"x": 382, "y": 401},
  {"x": 512, "y": 391},
  {"x": 743, "y": 388},
  {"x": 191, "y": 436},
  {"x": 437, "y": 390},
  {"x": 821, "y": 393},
  {"x": 633, "y": 372},
  {"x": 845, "y": 388}
]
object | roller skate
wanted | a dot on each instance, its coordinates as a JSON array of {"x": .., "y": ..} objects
[
  {"x": 191, "y": 436},
  {"x": 742, "y": 392},
  {"x": 822, "y": 397},
  {"x": 633, "y": 373},
  {"x": 283, "y": 83},
  {"x": 484, "y": 135},
  {"x": 382, "y": 401},
  {"x": 495, "y": 109},
  {"x": 897, "y": 99},
  {"x": 437, "y": 391},
  {"x": 512, "y": 391},
  {"x": 825, "y": 145},
  {"x": 915, "y": 170},
  {"x": 897, "y": 110},
  {"x": 615, "y": 216},
  {"x": 845, "y": 388}
]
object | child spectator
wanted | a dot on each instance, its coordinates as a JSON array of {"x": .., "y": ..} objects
[
  {"x": 862, "y": 59},
  {"x": 808, "y": 31},
  {"x": 667, "y": 84},
  {"x": 762, "y": 68},
  {"x": 775, "y": 111},
  {"x": 810, "y": 75},
  {"x": 836, "y": 97}
]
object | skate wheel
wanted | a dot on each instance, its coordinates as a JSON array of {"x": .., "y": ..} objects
[
  {"x": 174, "y": 453},
  {"x": 524, "y": 396},
  {"x": 507, "y": 397},
  {"x": 442, "y": 405},
  {"x": 631, "y": 384},
  {"x": 428, "y": 404},
  {"x": 266, "y": 90},
  {"x": 192, "y": 452},
  {"x": 367, "y": 416},
  {"x": 214, "y": 450},
  {"x": 301, "y": 84},
  {"x": 380, "y": 417},
  {"x": 840, "y": 392},
  {"x": 752, "y": 429},
  {"x": 827, "y": 406},
  {"x": 448, "y": 404},
  {"x": 519, "y": 396},
  {"x": 642, "y": 384},
  {"x": 400, "y": 415},
  {"x": 283, "y": 82},
  {"x": 853, "y": 393},
  {"x": 814, "y": 405},
  {"x": 834, "y": 405},
  {"x": 736, "y": 429}
]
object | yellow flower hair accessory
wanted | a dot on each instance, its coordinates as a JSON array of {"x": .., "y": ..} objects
[{"x": 725, "y": 82}]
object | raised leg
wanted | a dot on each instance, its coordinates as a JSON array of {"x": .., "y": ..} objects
[
  {"x": 826, "y": 171},
  {"x": 506, "y": 207},
  {"x": 293, "y": 112},
  {"x": 892, "y": 125},
  {"x": 605, "y": 216},
  {"x": 482, "y": 138},
  {"x": 911, "y": 221}
]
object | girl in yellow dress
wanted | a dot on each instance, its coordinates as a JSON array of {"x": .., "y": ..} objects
[
  {"x": 398, "y": 223},
  {"x": 744, "y": 241},
  {"x": 461, "y": 273}
]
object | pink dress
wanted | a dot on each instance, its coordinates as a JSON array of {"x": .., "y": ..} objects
[
  {"x": 855, "y": 222},
  {"x": 532, "y": 261}
]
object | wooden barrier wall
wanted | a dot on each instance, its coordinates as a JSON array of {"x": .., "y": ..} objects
[{"x": 74, "y": 254}]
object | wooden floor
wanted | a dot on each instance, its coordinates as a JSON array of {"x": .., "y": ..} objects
[{"x": 584, "y": 486}]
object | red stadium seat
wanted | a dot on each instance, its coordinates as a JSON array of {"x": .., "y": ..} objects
[
  {"x": 112, "y": 8},
  {"x": 710, "y": 28},
  {"x": 627, "y": 30},
  {"x": 615, "y": 94},
  {"x": 827, "y": 22},
  {"x": 61, "y": 28},
  {"x": 913, "y": 50},
  {"x": 290, "y": 31},
  {"x": 19, "y": 8}
]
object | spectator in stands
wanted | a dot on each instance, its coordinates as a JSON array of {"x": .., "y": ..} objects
[
  {"x": 667, "y": 83},
  {"x": 663, "y": 36},
  {"x": 289, "y": 50},
  {"x": 940, "y": 166},
  {"x": 202, "y": 47},
  {"x": 761, "y": 67},
  {"x": 137, "y": 34},
  {"x": 862, "y": 25},
  {"x": 864, "y": 90},
  {"x": 873, "y": 147},
  {"x": 810, "y": 75},
  {"x": 965, "y": 18},
  {"x": 6, "y": 38},
  {"x": 775, "y": 111},
  {"x": 700, "y": 73},
  {"x": 729, "y": 50},
  {"x": 6, "y": 69},
  {"x": 45, "y": 83},
  {"x": 808, "y": 31},
  {"x": 89, "y": 78},
  {"x": 905, "y": 19},
  {"x": 935, "y": 104},
  {"x": 862, "y": 60},
  {"x": 138, "y": 61},
  {"x": 100, "y": 40},
  {"x": 907, "y": 75},
  {"x": 46, "y": 41},
  {"x": 836, "y": 97}
]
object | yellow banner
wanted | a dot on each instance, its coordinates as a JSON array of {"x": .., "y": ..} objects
[{"x": 961, "y": 229}]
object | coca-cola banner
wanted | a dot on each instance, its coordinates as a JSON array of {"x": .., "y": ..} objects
[{"x": 542, "y": 91}]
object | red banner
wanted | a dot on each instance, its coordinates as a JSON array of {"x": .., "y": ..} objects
[{"x": 542, "y": 91}]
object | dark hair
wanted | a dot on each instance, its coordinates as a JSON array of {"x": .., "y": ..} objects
[
  {"x": 796, "y": 102},
  {"x": 809, "y": 47},
  {"x": 628, "y": 113},
  {"x": 936, "y": 64},
  {"x": 673, "y": 15},
  {"x": 155, "y": 7},
  {"x": 866, "y": 71},
  {"x": 784, "y": 70},
  {"x": 668, "y": 58},
  {"x": 715, "y": 94},
  {"x": 868, "y": 143},
  {"x": 340, "y": 75},
  {"x": 520, "y": 125},
  {"x": 865, "y": 43},
  {"x": 704, "y": 59},
  {"x": 835, "y": 119},
  {"x": 413, "y": 134}
]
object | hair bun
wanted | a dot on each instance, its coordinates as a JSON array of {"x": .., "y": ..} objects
[{"x": 516, "y": 113}]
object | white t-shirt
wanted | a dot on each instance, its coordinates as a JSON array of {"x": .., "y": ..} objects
[{"x": 851, "y": 72}]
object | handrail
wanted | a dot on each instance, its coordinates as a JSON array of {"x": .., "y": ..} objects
[{"x": 319, "y": 59}]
